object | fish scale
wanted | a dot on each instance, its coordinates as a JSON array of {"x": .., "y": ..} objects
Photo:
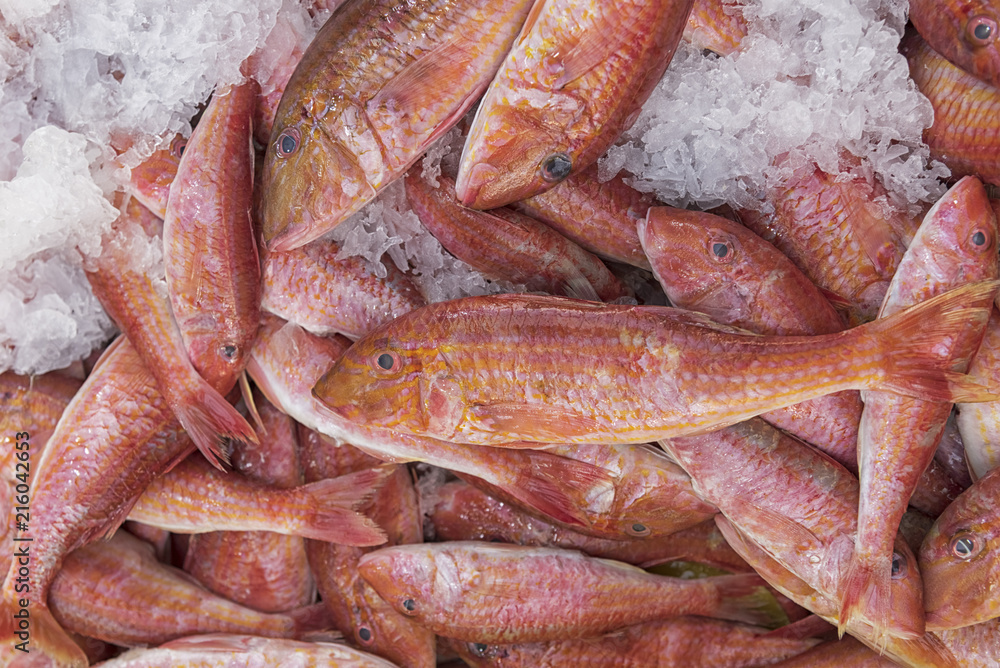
[
  {"x": 665, "y": 372},
  {"x": 379, "y": 82}
]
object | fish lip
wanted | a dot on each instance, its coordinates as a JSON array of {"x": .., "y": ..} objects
[{"x": 935, "y": 621}]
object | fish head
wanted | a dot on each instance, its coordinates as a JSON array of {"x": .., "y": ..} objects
[
  {"x": 389, "y": 382},
  {"x": 311, "y": 181},
  {"x": 958, "y": 559},
  {"x": 509, "y": 156},
  {"x": 701, "y": 261},
  {"x": 405, "y": 576},
  {"x": 906, "y": 591},
  {"x": 966, "y": 33},
  {"x": 957, "y": 241},
  {"x": 151, "y": 179},
  {"x": 379, "y": 629},
  {"x": 220, "y": 347}
]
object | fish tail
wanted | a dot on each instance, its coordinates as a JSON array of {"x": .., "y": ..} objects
[
  {"x": 920, "y": 366},
  {"x": 866, "y": 594},
  {"x": 333, "y": 501},
  {"x": 745, "y": 598},
  {"x": 40, "y": 635},
  {"x": 210, "y": 420},
  {"x": 548, "y": 483}
]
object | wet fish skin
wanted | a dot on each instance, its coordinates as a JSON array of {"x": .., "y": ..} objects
[
  {"x": 977, "y": 423},
  {"x": 574, "y": 80},
  {"x": 709, "y": 264},
  {"x": 216, "y": 650},
  {"x": 128, "y": 280},
  {"x": 958, "y": 559},
  {"x": 716, "y": 25},
  {"x": 650, "y": 496},
  {"x": 926, "y": 651},
  {"x": 194, "y": 497},
  {"x": 357, "y": 610},
  {"x": 966, "y": 133},
  {"x": 142, "y": 602},
  {"x": 150, "y": 180},
  {"x": 897, "y": 437},
  {"x": 693, "y": 642},
  {"x": 522, "y": 250},
  {"x": 799, "y": 505},
  {"x": 600, "y": 217},
  {"x": 837, "y": 234},
  {"x": 497, "y": 369},
  {"x": 286, "y": 363},
  {"x": 966, "y": 33},
  {"x": 460, "y": 511},
  {"x": 311, "y": 287},
  {"x": 115, "y": 436},
  {"x": 209, "y": 251},
  {"x": 262, "y": 570},
  {"x": 376, "y": 86},
  {"x": 495, "y": 593}
]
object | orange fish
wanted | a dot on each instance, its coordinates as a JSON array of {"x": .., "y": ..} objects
[
  {"x": 573, "y": 82},
  {"x": 522, "y": 250},
  {"x": 505, "y": 368},
  {"x": 966, "y": 32},
  {"x": 378, "y": 84},
  {"x": 150, "y": 181},
  {"x": 897, "y": 437},
  {"x": 716, "y": 25},
  {"x": 966, "y": 130}
]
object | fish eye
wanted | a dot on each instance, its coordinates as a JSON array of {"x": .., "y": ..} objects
[
  {"x": 409, "y": 605},
  {"x": 965, "y": 545},
  {"x": 556, "y": 167},
  {"x": 899, "y": 567},
  {"x": 981, "y": 30},
  {"x": 478, "y": 649},
  {"x": 980, "y": 239},
  {"x": 287, "y": 142},
  {"x": 722, "y": 250},
  {"x": 638, "y": 529},
  {"x": 385, "y": 361},
  {"x": 228, "y": 351},
  {"x": 177, "y": 146},
  {"x": 365, "y": 635}
]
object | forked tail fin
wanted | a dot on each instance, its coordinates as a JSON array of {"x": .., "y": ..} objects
[
  {"x": 919, "y": 366},
  {"x": 333, "y": 517}
]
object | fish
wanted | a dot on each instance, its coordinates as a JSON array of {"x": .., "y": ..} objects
[
  {"x": 459, "y": 511},
  {"x": 692, "y": 642},
  {"x": 966, "y": 33},
  {"x": 115, "y": 436},
  {"x": 286, "y": 363},
  {"x": 311, "y": 287},
  {"x": 650, "y": 496},
  {"x": 897, "y": 437},
  {"x": 599, "y": 216},
  {"x": 965, "y": 135},
  {"x": 522, "y": 250},
  {"x": 574, "y": 80},
  {"x": 500, "y": 369},
  {"x": 149, "y": 181},
  {"x": 195, "y": 498},
  {"x": 357, "y": 610},
  {"x": 836, "y": 654},
  {"x": 142, "y": 602},
  {"x": 262, "y": 570},
  {"x": 975, "y": 645},
  {"x": 379, "y": 83},
  {"x": 835, "y": 230},
  {"x": 979, "y": 424},
  {"x": 926, "y": 651},
  {"x": 495, "y": 593},
  {"x": 129, "y": 282},
  {"x": 716, "y": 25},
  {"x": 219, "y": 650},
  {"x": 209, "y": 253},
  {"x": 958, "y": 559},
  {"x": 715, "y": 266},
  {"x": 799, "y": 506}
]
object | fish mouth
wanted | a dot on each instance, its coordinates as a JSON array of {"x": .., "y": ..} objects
[{"x": 469, "y": 190}]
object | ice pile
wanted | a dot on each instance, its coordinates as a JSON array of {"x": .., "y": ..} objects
[{"x": 813, "y": 78}]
